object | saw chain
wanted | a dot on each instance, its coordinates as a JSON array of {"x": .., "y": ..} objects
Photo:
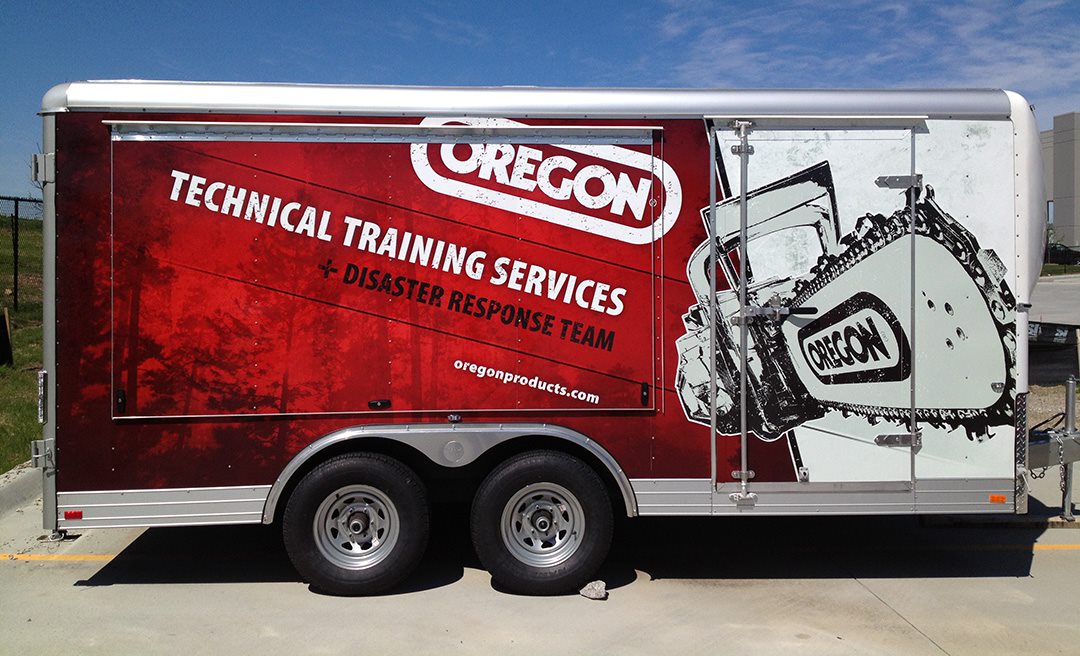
[{"x": 875, "y": 231}]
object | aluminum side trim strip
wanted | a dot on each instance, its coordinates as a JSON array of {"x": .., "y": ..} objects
[
  {"x": 163, "y": 507},
  {"x": 694, "y": 496}
]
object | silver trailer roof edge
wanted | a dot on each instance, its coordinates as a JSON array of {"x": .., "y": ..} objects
[{"x": 537, "y": 102}]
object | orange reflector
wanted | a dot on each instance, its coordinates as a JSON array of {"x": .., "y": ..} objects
[
  {"x": 72, "y": 514},
  {"x": 997, "y": 498}
]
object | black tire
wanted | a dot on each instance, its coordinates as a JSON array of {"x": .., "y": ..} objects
[
  {"x": 538, "y": 491},
  {"x": 357, "y": 524}
]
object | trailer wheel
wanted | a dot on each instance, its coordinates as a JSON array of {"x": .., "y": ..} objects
[
  {"x": 357, "y": 524},
  {"x": 542, "y": 523}
]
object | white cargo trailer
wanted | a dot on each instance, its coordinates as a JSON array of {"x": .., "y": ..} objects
[{"x": 325, "y": 306}]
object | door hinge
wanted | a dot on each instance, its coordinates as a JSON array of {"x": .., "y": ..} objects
[
  {"x": 900, "y": 439},
  {"x": 899, "y": 181},
  {"x": 40, "y": 454},
  {"x": 43, "y": 167}
]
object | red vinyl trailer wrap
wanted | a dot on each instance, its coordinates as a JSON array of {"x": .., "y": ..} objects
[{"x": 264, "y": 309}]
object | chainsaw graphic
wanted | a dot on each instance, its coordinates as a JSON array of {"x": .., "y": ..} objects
[{"x": 851, "y": 348}]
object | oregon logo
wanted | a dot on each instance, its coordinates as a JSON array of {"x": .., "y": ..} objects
[
  {"x": 858, "y": 341},
  {"x": 601, "y": 189}
]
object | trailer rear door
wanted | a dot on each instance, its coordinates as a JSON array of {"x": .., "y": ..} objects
[{"x": 826, "y": 251}]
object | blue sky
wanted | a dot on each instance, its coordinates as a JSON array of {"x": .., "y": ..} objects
[{"x": 1032, "y": 47}]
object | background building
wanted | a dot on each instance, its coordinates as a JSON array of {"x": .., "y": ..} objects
[{"x": 1061, "y": 155}]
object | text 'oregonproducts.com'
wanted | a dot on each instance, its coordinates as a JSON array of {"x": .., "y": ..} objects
[{"x": 481, "y": 371}]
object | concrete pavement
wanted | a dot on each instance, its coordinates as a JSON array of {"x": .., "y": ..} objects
[
  {"x": 818, "y": 585},
  {"x": 1056, "y": 299}
]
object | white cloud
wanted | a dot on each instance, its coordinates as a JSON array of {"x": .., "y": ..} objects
[
  {"x": 428, "y": 25},
  {"x": 1030, "y": 47}
]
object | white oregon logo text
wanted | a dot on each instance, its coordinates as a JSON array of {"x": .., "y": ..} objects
[{"x": 604, "y": 194}]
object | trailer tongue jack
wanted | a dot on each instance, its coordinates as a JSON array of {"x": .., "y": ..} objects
[{"x": 1059, "y": 446}]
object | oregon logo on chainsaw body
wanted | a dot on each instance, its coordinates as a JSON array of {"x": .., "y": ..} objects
[
  {"x": 858, "y": 341},
  {"x": 601, "y": 189}
]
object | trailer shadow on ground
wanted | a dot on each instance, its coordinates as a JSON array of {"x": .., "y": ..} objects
[
  {"x": 817, "y": 548},
  {"x": 654, "y": 547},
  {"x": 238, "y": 554}
]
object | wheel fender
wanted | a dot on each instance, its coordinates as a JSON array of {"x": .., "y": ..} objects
[{"x": 449, "y": 445}]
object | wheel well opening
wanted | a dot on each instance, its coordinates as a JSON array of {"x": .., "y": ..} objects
[
  {"x": 454, "y": 484},
  {"x": 403, "y": 453}
]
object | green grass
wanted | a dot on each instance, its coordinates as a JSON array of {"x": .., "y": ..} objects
[
  {"x": 18, "y": 384},
  {"x": 1059, "y": 269}
]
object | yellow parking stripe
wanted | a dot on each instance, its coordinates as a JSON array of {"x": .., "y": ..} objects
[
  {"x": 1003, "y": 547},
  {"x": 60, "y": 557}
]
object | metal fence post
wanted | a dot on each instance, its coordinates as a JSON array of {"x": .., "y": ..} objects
[
  {"x": 15, "y": 258},
  {"x": 1070, "y": 428}
]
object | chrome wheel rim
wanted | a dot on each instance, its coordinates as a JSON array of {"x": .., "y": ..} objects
[
  {"x": 543, "y": 524},
  {"x": 356, "y": 527}
]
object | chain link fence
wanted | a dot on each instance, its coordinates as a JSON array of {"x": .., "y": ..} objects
[{"x": 13, "y": 212}]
